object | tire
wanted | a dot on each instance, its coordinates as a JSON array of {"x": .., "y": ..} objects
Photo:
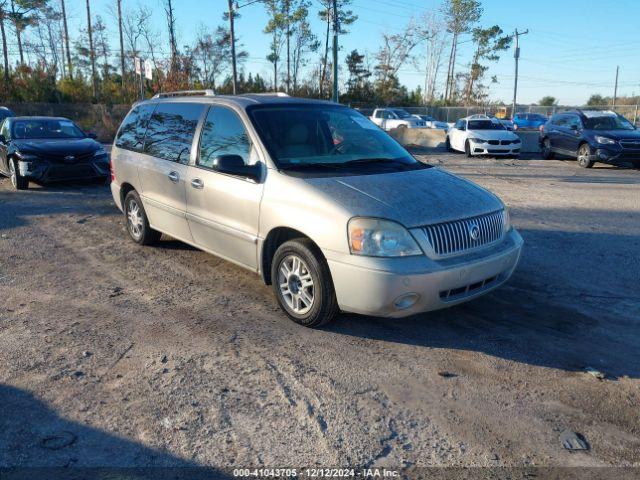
[
  {"x": 296, "y": 263},
  {"x": 584, "y": 151},
  {"x": 17, "y": 180},
  {"x": 137, "y": 222},
  {"x": 448, "y": 145},
  {"x": 545, "y": 148},
  {"x": 467, "y": 149}
]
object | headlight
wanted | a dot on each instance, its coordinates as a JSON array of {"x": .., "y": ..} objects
[
  {"x": 26, "y": 157},
  {"x": 507, "y": 219},
  {"x": 100, "y": 152},
  {"x": 374, "y": 237},
  {"x": 605, "y": 140},
  {"x": 477, "y": 140}
]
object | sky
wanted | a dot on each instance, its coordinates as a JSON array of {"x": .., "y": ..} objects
[{"x": 571, "y": 51}]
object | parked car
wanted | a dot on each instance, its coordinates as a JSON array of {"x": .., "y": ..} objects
[
  {"x": 506, "y": 123},
  {"x": 591, "y": 136},
  {"x": 313, "y": 197},
  {"x": 431, "y": 122},
  {"x": 47, "y": 149},
  {"x": 528, "y": 121},
  {"x": 389, "y": 118},
  {"x": 482, "y": 135},
  {"x": 5, "y": 113}
]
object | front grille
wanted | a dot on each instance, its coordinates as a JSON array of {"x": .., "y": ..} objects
[
  {"x": 458, "y": 236},
  {"x": 493, "y": 142},
  {"x": 506, "y": 142},
  {"x": 630, "y": 144},
  {"x": 77, "y": 158}
]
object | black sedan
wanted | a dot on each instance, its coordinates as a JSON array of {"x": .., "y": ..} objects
[{"x": 45, "y": 149}]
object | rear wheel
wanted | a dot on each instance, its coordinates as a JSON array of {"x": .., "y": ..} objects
[
  {"x": 302, "y": 283},
  {"x": 137, "y": 222},
  {"x": 17, "y": 180},
  {"x": 584, "y": 156},
  {"x": 547, "y": 153},
  {"x": 467, "y": 148}
]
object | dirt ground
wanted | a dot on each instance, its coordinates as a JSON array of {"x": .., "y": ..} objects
[{"x": 118, "y": 355}]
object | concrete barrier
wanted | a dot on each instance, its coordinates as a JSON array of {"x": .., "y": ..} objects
[
  {"x": 433, "y": 138},
  {"x": 422, "y": 137}
]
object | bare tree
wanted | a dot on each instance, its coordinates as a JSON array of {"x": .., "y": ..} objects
[
  {"x": 171, "y": 26},
  {"x": 435, "y": 47},
  {"x": 5, "y": 53},
  {"x": 66, "y": 38},
  {"x": 21, "y": 15},
  {"x": 276, "y": 28},
  {"x": 92, "y": 54},
  {"x": 121, "y": 38}
]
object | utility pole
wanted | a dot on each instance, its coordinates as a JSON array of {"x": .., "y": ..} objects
[
  {"x": 66, "y": 39},
  {"x": 336, "y": 27},
  {"x": 615, "y": 89},
  {"x": 516, "y": 55},
  {"x": 232, "y": 40}
]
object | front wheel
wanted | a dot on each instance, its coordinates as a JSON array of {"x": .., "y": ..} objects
[
  {"x": 17, "y": 180},
  {"x": 302, "y": 283},
  {"x": 467, "y": 148},
  {"x": 584, "y": 156},
  {"x": 547, "y": 153},
  {"x": 137, "y": 222}
]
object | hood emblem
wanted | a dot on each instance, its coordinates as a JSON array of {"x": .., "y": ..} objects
[
  {"x": 474, "y": 231},
  {"x": 69, "y": 158}
]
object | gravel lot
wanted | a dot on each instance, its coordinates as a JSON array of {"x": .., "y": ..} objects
[{"x": 119, "y": 355}]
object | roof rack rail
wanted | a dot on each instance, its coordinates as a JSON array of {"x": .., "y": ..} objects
[
  {"x": 186, "y": 93},
  {"x": 269, "y": 94}
]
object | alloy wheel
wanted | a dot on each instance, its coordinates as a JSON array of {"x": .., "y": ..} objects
[
  {"x": 134, "y": 219},
  {"x": 296, "y": 284},
  {"x": 583, "y": 156}
]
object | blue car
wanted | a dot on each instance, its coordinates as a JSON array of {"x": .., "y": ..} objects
[
  {"x": 528, "y": 121},
  {"x": 591, "y": 136}
]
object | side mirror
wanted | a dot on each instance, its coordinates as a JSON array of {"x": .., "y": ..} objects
[
  {"x": 574, "y": 127},
  {"x": 234, "y": 165},
  {"x": 92, "y": 135}
]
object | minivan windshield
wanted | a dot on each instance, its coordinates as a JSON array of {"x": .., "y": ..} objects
[
  {"x": 484, "y": 125},
  {"x": 46, "y": 128},
  {"x": 316, "y": 136},
  {"x": 608, "y": 122}
]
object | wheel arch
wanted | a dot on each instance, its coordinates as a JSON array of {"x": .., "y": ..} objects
[
  {"x": 125, "y": 188},
  {"x": 276, "y": 237}
]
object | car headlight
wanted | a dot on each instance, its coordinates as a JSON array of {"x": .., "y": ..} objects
[
  {"x": 26, "y": 157},
  {"x": 477, "y": 140},
  {"x": 605, "y": 140},
  {"x": 374, "y": 237},
  {"x": 507, "y": 219}
]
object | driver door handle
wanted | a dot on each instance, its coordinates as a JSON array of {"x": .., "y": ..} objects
[
  {"x": 174, "y": 177},
  {"x": 197, "y": 183}
]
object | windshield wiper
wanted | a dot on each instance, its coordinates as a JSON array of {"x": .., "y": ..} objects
[{"x": 362, "y": 161}]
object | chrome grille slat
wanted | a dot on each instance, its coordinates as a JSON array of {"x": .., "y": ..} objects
[{"x": 454, "y": 237}]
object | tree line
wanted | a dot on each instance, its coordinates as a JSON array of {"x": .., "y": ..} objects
[{"x": 46, "y": 63}]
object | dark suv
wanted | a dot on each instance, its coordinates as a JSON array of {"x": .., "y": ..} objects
[{"x": 591, "y": 136}]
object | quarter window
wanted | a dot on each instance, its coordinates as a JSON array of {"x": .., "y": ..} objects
[
  {"x": 131, "y": 133},
  {"x": 224, "y": 133},
  {"x": 171, "y": 130}
]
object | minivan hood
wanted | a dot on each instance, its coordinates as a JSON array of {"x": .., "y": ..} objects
[
  {"x": 413, "y": 198},
  {"x": 70, "y": 146}
]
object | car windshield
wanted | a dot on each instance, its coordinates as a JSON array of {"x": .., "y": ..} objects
[
  {"x": 535, "y": 117},
  {"x": 46, "y": 128},
  {"x": 484, "y": 125},
  {"x": 326, "y": 136},
  {"x": 608, "y": 122},
  {"x": 401, "y": 113}
]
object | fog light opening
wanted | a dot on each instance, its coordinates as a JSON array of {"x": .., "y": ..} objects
[{"x": 405, "y": 301}]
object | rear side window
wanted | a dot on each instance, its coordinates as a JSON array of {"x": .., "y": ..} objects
[
  {"x": 171, "y": 129},
  {"x": 224, "y": 133},
  {"x": 131, "y": 133},
  {"x": 560, "y": 120}
]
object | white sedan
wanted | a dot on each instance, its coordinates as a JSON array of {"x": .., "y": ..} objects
[{"x": 481, "y": 135}]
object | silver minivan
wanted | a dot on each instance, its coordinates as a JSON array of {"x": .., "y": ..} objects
[{"x": 313, "y": 197}]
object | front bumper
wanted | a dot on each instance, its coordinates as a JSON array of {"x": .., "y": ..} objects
[
  {"x": 487, "y": 149},
  {"x": 401, "y": 287},
  {"x": 615, "y": 156},
  {"x": 46, "y": 171}
]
